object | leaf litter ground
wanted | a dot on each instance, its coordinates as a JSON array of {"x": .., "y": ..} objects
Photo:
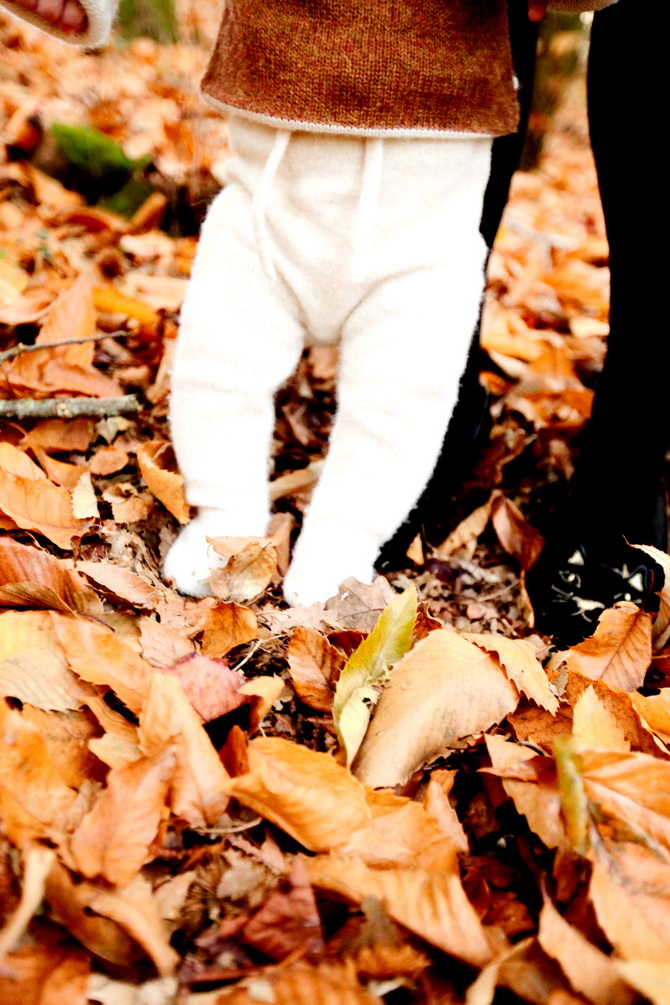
[{"x": 177, "y": 819}]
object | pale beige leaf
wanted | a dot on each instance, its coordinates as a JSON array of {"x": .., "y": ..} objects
[
  {"x": 654, "y": 710},
  {"x": 267, "y": 689},
  {"x": 518, "y": 660},
  {"x": 42, "y": 507},
  {"x": 167, "y": 486},
  {"x": 32, "y": 665},
  {"x": 307, "y": 794},
  {"x": 200, "y": 784},
  {"x": 84, "y": 502},
  {"x": 432, "y": 905},
  {"x": 595, "y": 726},
  {"x": 251, "y": 566},
  {"x": 619, "y": 653},
  {"x": 113, "y": 839},
  {"x": 228, "y": 626},
  {"x": 440, "y": 810},
  {"x": 649, "y": 978},
  {"x": 99, "y": 656},
  {"x": 445, "y": 689},
  {"x": 326, "y": 983},
  {"x": 590, "y": 972}
]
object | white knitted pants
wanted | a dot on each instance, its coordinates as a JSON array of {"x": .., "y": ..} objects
[{"x": 369, "y": 243}]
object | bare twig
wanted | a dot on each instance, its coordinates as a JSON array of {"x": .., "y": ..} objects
[
  {"x": 22, "y": 347},
  {"x": 67, "y": 408}
]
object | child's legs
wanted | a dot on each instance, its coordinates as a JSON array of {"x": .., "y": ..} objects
[
  {"x": 402, "y": 355},
  {"x": 238, "y": 342}
]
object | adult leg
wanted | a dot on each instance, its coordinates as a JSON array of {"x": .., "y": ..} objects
[{"x": 616, "y": 492}]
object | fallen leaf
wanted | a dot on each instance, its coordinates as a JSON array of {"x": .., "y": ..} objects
[
  {"x": 518, "y": 660},
  {"x": 41, "y": 506},
  {"x": 619, "y": 652},
  {"x": 113, "y": 839},
  {"x": 590, "y": 972},
  {"x": 515, "y": 534},
  {"x": 122, "y": 585},
  {"x": 30, "y": 577},
  {"x": 200, "y": 785},
  {"x": 651, "y": 979},
  {"x": 167, "y": 486},
  {"x": 228, "y": 626},
  {"x": 314, "y": 665},
  {"x": 212, "y": 688},
  {"x": 595, "y": 726},
  {"x": 32, "y": 665},
  {"x": 430, "y": 904},
  {"x": 387, "y": 643},
  {"x": 289, "y": 920},
  {"x": 267, "y": 690},
  {"x": 306, "y": 793},
  {"x": 37, "y": 863},
  {"x": 251, "y": 566},
  {"x": 469, "y": 529},
  {"x": 445, "y": 689}
]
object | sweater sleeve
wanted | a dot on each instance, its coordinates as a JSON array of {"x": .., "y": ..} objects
[
  {"x": 100, "y": 15},
  {"x": 575, "y": 6}
]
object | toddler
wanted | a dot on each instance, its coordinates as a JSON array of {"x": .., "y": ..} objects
[{"x": 361, "y": 132}]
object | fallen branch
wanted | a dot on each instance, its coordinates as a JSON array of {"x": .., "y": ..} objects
[
  {"x": 68, "y": 408},
  {"x": 22, "y": 347}
]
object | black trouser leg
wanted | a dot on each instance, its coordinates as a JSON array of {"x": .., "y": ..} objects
[{"x": 616, "y": 481}]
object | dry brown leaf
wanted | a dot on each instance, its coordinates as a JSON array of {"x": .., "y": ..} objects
[
  {"x": 34, "y": 800},
  {"x": 32, "y": 666},
  {"x": 619, "y": 653},
  {"x": 266, "y": 690},
  {"x": 113, "y": 839},
  {"x": 212, "y": 688},
  {"x": 314, "y": 665},
  {"x": 300, "y": 984},
  {"x": 595, "y": 726},
  {"x": 161, "y": 646},
  {"x": 134, "y": 909},
  {"x": 444, "y": 690},
  {"x": 57, "y": 435},
  {"x": 515, "y": 534},
  {"x": 128, "y": 505},
  {"x": 67, "y": 475},
  {"x": 167, "y": 486},
  {"x": 16, "y": 462},
  {"x": 228, "y": 626},
  {"x": 99, "y": 656},
  {"x": 33, "y": 578},
  {"x": 121, "y": 584},
  {"x": 108, "y": 460},
  {"x": 45, "y": 975},
  {"x": 289, "y": 920},
  {"x": 430, "y": 904},
  {"x": 623, "y": 706},
  {"x": 530, "y": 781},
  {"x": 518, "y": 660},
  {"x": 200, "y": 784},
  {"x": 591, "y": 973},
  {"x": 629, "y": 891},
  {"x": 661, "y": 629},
  {"x": 37, "y": 863},
  {"x": 251, "y": 566},
  {"x": 41, "y": 506},
  {"x": 67, "y": 736},
  {"x": 468, "y": 529},
  {"x": 307, "y": 794},
  {"x": 654, "y": 711},
  {"x": 440, "y": 810}
]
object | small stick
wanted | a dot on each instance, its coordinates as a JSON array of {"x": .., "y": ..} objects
[
  {"x": 19, "y": 349},
  {"x": 67, "y": 408}
]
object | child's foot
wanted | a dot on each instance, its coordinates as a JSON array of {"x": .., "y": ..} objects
[
  {"x": 67, "y": 15},
  {"x": 327, "y": 553},
  {"x": 191, "y": 560}
]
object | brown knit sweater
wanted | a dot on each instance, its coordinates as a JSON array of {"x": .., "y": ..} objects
[{"x": 370, "y": 67}]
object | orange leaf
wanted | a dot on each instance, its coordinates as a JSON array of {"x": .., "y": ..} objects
[
  {"x": 619, "y": 652},
  {"x": 33, "y": 578},
  {"x": 166, "y": 486},
  {"x": 42, "y": 507},
  {"x": 228, "y": 626},
  {"x": 314, "y": 665},
  {"x": 113, "y": 839}
]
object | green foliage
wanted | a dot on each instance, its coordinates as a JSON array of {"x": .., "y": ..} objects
[
  {"x": 93, "y": 152},
  {"x": 389, "y": 640},
  {"x": 151, "y": 18}
]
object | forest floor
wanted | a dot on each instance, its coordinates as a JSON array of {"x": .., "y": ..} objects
[{"x": 177, "y": 819}]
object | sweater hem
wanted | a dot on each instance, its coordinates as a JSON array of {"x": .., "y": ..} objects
[{"x": 336, "y": 129}]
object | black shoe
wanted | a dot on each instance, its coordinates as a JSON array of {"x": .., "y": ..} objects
[{"x": 572, "y": 585}]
